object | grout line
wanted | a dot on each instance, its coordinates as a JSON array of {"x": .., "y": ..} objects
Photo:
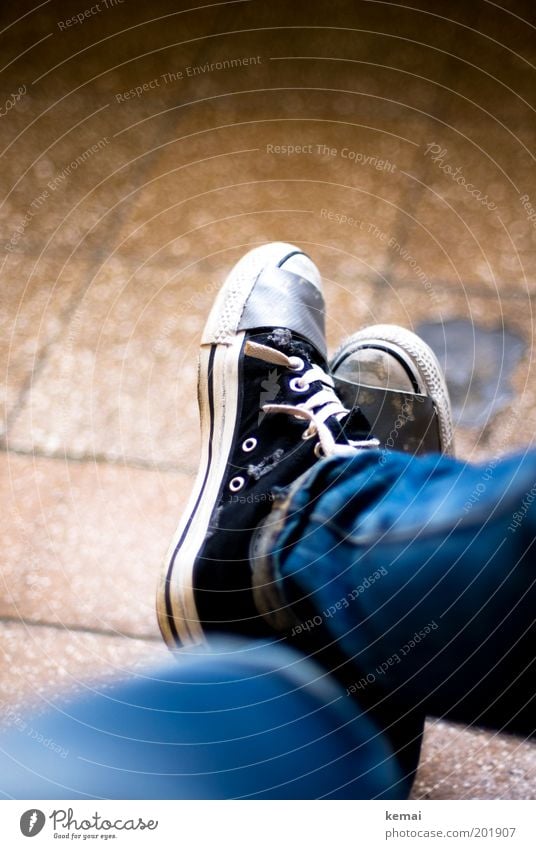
[
  {"x": 79, "y": 629},
  {"x": 100, "y": 459}
]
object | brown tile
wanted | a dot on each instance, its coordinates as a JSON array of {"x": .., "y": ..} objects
[
  {"x": 106, "y": 44},
  {"x": 81, "y": 213},
  {"x": 39, "y": 664},
  {"x": 460, "y": 237},
  {"x": 35, "y": 296},
  {"x": 263, "y": 179},
  {"x": 496, "y": 63},
  {"x": 83, "y": 543},
  {"x": 76, "y": 147},
  {"x": 460, "y": 763},
  {"x": 66, "y": 177},
  {"x": 351, "y": 288},
  {"x": 121, "y": 381}
]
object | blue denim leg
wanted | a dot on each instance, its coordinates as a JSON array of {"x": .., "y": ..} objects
[
  {"x": 420, "y": 572},
  {"x": 243, "y": 721}
]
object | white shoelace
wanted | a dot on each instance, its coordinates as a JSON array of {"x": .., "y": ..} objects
[{"x": 317, "y": 409}]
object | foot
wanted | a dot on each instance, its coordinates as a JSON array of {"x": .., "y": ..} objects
[
  {"x": 268, "y": 413},
  {"x": 397, "y": 382},
  {"x": 394, "y": 379}
]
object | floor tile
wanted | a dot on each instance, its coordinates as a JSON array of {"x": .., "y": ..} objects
[
  {"x": 40, "y": 664},
  {"x": 36, "y": 295},
  {"x": 84, "y": 542},
  {"x": 67, "y": 173},
  {"x": 121, "y": 381},
  {"x": 459, "y": 763},
  {"x": 66, "y": 178},
  {"x": 429, "y": 301},
  {"x": 496, "y": 67},
  {"x": 472, "y": 220},
  {"x": 108, "y": 277},
  {"x": 265, "y": 179}
]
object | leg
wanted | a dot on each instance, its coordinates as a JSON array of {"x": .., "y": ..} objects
[
  {"x": 268, "y": 413},
  {"x": 245, "y": 721},
  {"x": 419, "y": 571}
]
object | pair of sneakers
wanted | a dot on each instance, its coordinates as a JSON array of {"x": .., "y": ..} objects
[{"x": 271, "y": 407}]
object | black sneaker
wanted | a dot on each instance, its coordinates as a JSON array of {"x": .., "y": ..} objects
[
  {"x": 268, "y": 413},
  {"x": 394, "y": 377}
]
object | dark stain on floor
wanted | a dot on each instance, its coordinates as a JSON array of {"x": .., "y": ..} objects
[{"x": 478, "y": 364}]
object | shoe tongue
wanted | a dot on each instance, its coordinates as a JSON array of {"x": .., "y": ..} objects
[
  {"x": 354, "y": 426},
  {"x": 293, "y": 346}
]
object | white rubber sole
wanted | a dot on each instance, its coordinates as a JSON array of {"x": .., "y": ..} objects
[
  {"x": 218, "y": 387},
  {"x": 420, "y": 360}
]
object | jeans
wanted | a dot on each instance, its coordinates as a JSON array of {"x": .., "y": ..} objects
[
  {"x": 242, "y": 720},
  {"x": 412, "y": 584},
  {"x": 418, "y": 574}
]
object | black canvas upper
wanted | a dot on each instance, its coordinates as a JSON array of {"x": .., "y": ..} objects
[{"x": 222, "y": 578}]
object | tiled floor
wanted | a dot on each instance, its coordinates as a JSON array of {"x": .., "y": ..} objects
[{"x": 120, "y": 213}]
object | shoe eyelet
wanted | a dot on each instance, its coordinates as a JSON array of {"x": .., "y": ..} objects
[
  {"x": 236, "y": 484},
  {"x": 296, "y": 364},
  {"x": 308, "y": 433},
  {"x": 297, "y": 385},
  {"x": 297, "y": 416},
  {"x": 249, "y": 444},
  {"x": 319, "y": 451}
]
